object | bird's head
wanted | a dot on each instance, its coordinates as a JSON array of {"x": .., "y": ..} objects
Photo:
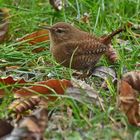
[{"x": 62, "y": 32}]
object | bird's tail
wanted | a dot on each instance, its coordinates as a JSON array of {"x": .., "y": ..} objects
[{"x": 107, "y": 38}]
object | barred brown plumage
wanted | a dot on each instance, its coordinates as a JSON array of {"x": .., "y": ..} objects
[
  {"x": 69, "y": 44},
  {"x": 23, "y": 104}
]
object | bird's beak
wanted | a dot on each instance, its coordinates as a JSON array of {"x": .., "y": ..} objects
[{"x": 45, "y": 27}]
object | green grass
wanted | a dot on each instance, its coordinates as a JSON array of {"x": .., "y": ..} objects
[{"x": 105, "y": 16}]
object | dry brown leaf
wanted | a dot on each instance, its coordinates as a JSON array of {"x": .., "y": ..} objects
[
  {"x": 133, "y": 78},
  {"x": 9, "y": 81},
  {"x": 37, "y": 122},
  {"x": 85, "y": 18},
  {"x": 83, "y": 92},
  {"x": 4, "y": 23},
  {"x": 19, "y": 134},
  {"x": 5, "y": 128},
  {"x": 57, "y": 4},
  {"x": 36, "y": 37},
  {"x": 24, "y": 104},
  {"x": 7, "y": 68},
  {"x": 135, "y": 29},
  {"x": 45, "y": 88},
  {"x": 137, "y": 65},
  {"x": 104, "y": 72},
  {"x": 30, "y": 97},
  {"x": 128, "y": 102},
  {"x": 31, "y": 127},
  {"x": 18, "y": 73}
]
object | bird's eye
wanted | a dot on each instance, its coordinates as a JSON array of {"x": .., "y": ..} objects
[{"x": 60, "y": 30}]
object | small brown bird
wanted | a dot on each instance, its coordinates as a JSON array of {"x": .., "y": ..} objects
[{"x": 77, "y": 49}]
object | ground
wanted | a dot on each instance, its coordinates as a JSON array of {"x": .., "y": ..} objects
[{"x": 104, "y": 16}]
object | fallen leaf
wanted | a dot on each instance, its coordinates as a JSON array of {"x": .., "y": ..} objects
[
  {"x": 80, "y": 92},
  {"x": 133, "y": 78},
  {"x": 45, "y": 88},
  {"x": 11, "y": 67},
  {"x": 9, "y": 81},
  {"x": 85, "y": 17},
  {"x": 31, "y": 127},
  {"x": 5, "y": 128},
  {"x": 83, "y": 92},
  {"x": 23, "y": 104},
  {"x": 57, "y": 4},
  {"x": 123, "y": 42},
  {"x": 27, "y": 75},
  {"x": 128, "y": 90},
  {"x": 69, "y": 112},
  {"x": 104, "y": 72},
  {"x": 137, "y": 65},
  {"x": 3, "y": 24},
  {"x": 36, "y": 37},
  {"x": 19, "y": 134},
  {"x": 37, "y": 122},
  {"x": 135, "y": 29},
  {"x": 58, "y": 121}
]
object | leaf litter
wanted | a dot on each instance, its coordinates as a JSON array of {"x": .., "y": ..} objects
[
  {"x": 75, "y": 89},
  {"x": 128, "y": 96},
  {"x": 4, "y": 23},
  {"x": 31, "y": 127}
]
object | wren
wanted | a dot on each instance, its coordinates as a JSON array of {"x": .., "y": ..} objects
[{"x": 77, "y": 49}]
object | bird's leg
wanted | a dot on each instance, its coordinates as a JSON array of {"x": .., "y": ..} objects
[
  {"x": 82, "y": 75},
  {"x": 87, "y": 72}
]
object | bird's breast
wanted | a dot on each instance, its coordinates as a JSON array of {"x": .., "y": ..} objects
[{"x": 60, "y": 55}]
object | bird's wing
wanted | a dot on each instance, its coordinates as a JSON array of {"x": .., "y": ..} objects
[{"x": 85, "y": 47}]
